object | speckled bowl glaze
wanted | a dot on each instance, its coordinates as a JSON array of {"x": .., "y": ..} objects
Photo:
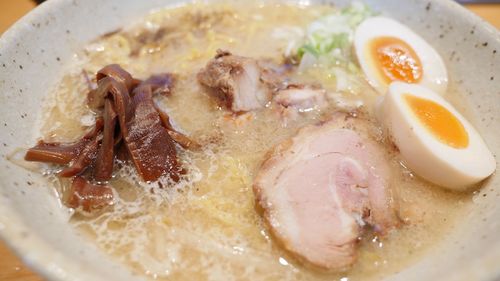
[{"x": 38, "y": 49}]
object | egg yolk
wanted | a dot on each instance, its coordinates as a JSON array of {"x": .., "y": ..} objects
[
  {"x": 395, "y": 60},
  {"x": 439, "y": 121}
]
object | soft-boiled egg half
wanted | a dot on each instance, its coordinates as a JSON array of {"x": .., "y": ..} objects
[
  {"x": 389, "y": 51},
  {"x": 435, "y": 140}
]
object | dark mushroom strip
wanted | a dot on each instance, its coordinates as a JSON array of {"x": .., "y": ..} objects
[
  {"x": 55, "y": 153},
  {"x": 112, "y": 79},
  {"x": 89, "y": 196},
  {"x": 95, "y": 98},
  {"x": 179, "y": 138},
  {"x": 150, "y": 146},
  {"x": 119, "y": 74},
  {"x": 86, "y": 157},
  {"x": 162, "y": 84},
  {"x": 183, "y": 140},
  {"x": 117, "y": 92},
  {"x": 96, "y": 129},
  {"x": 104, "y": 163},
  {"x": 109, "y": 86},
  {"x": 58, "y": 153},
  {"x": 121, "y": 152}
]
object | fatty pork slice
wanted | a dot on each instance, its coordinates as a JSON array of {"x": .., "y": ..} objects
[
  {"x": 239, "y": 83},
  {"x": 302, "y": 98},
  {"x": 321, "y": 187}
]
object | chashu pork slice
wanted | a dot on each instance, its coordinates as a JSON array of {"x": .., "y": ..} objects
[
  {"x": 320, "y": 188},
  {"x": 239, "y": 83}
]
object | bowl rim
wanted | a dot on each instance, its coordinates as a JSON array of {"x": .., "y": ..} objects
[{"x": 29, "y": 249}]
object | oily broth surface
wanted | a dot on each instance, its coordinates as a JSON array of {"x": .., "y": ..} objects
[{"x": 206, "y": 227}]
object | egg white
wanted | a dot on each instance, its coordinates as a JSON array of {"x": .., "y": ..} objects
[
  {"x": 434, "y": 74},
  {"x": 424, "y": 153}
]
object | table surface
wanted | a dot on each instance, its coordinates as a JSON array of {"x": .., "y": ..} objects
[{"x": 13, "y": 269}]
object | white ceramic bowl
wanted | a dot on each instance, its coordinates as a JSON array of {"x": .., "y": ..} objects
[{"x": 37, "y": 50}]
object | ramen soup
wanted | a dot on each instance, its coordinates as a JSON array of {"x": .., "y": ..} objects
[{"x": 270, "y": 143}]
